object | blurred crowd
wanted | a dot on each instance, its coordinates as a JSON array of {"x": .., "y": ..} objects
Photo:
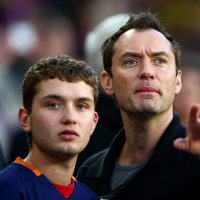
[{"x": 30, "y": 29}]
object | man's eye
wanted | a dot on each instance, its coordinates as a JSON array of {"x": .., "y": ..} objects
[
  {"x": 160, "y": 61},
  {"x": 131, "y": 62}
]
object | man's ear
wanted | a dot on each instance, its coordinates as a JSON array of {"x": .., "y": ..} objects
[
  {"x": 24, "y": 119},
  {"x": 106, "y": 82}
]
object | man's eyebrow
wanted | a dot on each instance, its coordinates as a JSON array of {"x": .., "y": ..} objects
[
  {"x": 134, "y": 54},
  {"x": 139, "y": 55},
  {"x": 160, "y": 53}
]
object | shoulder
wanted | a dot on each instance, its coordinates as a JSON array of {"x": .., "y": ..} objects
[
  {"x": 9, "y": 180},
  {"x": 15, "y": 178},
  {"x": 9, "y": 173}
]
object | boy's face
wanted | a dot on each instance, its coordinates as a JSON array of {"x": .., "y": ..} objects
[{"x": 63, "y": 117}]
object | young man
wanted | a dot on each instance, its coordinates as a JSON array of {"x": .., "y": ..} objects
[
  {"x": 147, "y": 159},
  {"x": 58, "y": 115}
]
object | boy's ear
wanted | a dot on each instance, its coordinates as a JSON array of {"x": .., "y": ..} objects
[
  {"x": 106, "y": 82},
  {"x": 178, "y": 82},
  {"x": 24, "y": 119},
  {"x": 95, "y": 121}
]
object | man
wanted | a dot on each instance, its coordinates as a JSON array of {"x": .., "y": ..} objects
[
  {"x": 58, "y": 115},
  {"x": 150, "y": 158}
]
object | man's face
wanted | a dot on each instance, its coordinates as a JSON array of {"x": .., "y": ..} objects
[
  {"x": 62, "y": 118},
  {"x": 144, "y": 72}
]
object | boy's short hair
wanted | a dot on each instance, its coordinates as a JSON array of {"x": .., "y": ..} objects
[{"x": 62, "y": 67}]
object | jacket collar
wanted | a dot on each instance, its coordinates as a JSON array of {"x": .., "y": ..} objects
[{"x": 165, "y": 153}]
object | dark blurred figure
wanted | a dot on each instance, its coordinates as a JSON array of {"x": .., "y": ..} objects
[
  {"x": 19, "y": 146},
  {"x": 2, "y": 161},
  {"x": 18, "y": 42},
  {"x": 110, "y": 119}
]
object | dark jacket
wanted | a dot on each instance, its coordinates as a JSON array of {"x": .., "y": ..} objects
[{"x": 169, "y": 173}]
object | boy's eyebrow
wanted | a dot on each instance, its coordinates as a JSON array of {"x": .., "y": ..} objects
[
  {"x": 58, "y": 97},
  {"x": 52, "y": 96}
]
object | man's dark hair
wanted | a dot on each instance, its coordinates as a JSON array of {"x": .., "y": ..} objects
[{"x": 142, "y": 20}]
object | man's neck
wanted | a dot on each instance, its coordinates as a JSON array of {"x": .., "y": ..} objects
[{"x": 141, "y": 138}]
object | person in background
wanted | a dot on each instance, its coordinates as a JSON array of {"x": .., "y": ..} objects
[
  {"x": 154, "y": 156},
  {"x": 109, "y": 115},
  {"x": 58, "y": 116}
]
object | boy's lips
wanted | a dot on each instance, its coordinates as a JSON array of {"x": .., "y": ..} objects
[{"x": 68, "y": 134}]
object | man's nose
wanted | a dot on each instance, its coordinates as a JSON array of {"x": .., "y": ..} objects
[{"x": 147, "y": 70}]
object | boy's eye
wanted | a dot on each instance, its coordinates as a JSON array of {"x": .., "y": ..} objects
[
  {"x": 54, "y": 105},
  {"x": 81, "y": 106}
]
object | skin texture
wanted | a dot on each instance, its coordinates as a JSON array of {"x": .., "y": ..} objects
[
  {"x": 192, "y": 142},
  {"x": 62, "y": 120}
]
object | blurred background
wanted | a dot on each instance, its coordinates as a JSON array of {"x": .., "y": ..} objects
[{"x": 30, "y": 29}]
